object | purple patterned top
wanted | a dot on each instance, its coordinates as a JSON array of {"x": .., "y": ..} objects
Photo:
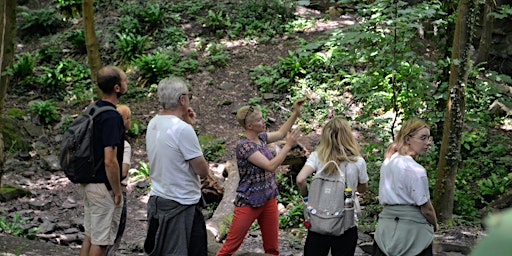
[{"x": 256, "y": 186}]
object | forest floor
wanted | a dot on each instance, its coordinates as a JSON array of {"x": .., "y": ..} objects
[{"x": 210, "y": 90}]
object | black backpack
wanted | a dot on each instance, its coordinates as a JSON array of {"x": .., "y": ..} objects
[{"x": 77, "y": 147}]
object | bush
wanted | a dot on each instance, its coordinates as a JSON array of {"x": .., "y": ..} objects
[
  {"x": 68, "y": 80},
  {"x": 38, "y": 22},
  {"x": 45, "y": 110},
  {"x": 213, "y": 147},
  {"x": 129, "y": 45}
]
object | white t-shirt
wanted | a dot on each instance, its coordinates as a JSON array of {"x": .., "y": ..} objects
[
  {"x": 355, "y": 173},
  {"x": 170, "y": 142},
  {"x": 403, "y": 181}
]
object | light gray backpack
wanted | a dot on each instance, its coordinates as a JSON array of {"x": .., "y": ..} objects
[{"x": 325, "y": 207}]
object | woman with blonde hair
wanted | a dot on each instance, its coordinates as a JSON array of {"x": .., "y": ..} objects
[
  {"x": 257, "y": 189},
  {"x": 408, "y": 220},
  {"x": 338, "y": 144}
]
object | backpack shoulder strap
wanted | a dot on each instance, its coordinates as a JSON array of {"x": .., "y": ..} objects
[
  {"x": 343, "y": 173},
  {"x": 97, "y": 110}
]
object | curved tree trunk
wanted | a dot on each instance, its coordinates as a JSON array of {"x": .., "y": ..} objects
[
  {"x": 7, "y": 38},
  {"x": 93, "y": 53},
  {"x": 449, "y": 155}
]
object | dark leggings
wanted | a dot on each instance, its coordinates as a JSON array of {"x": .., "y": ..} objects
[
  {"x": 378, "y": 252},
  {"x": 319, "y": 245}
]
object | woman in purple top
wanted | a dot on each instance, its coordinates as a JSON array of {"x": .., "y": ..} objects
[{"x": 257, "y": 188}]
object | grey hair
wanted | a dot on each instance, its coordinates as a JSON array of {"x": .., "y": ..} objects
[{"x": 169, "y": 91}]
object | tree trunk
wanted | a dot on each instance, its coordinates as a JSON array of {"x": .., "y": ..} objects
[
  {"x": 7, "y": 38},
  {"x": 487, "y": 28},
  {"x": 449, "y": 155},
  {"x": 93, "y": 54}
]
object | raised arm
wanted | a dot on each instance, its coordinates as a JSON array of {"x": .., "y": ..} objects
[
  {"x": 261, "y": 161},
  {"x": 285, "y": 128}
]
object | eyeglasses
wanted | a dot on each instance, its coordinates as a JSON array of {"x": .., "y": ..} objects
[
  {"x": 189, "y": 95},
  {"x": 250, "y": 110},
  {"x": 423, "y": 138}
]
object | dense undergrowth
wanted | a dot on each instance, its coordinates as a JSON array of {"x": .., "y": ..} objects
[{"x": 376, "y": 73}]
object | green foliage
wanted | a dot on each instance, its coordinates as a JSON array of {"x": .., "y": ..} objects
[
  {"x": 50, "y": 54},
  {"x": 494, "y": 185},
  {"x": 173, "y": 36},
  {"x": 217, "y": 55},
  {"x": 68, "y": 80},
  {"x": 290, "y": 197},
  {"x": 70, "y": 8},
  {"x": 24, "y": 65},
  {"x": 16, "y": 113},
  {"x": 141, "y": 173},
  {"x": 163, "y": 63},
  {"x": 213, "y": 147},
  {"x": 23, "y": 69},
  {"x": 135, "y": 128},
  {"x": 77, "y": 39},
  {"x": 128, "y": 24},
  {"x": 16, "y": 227},
  {"x": 261, "y": 18},
  {"x": 504, "y": 11},
  {"x": 66, "y": 121},
  {"x": 217, "y": 21},
  {"x": 38, "y": 22},
  {"x": 129, "y": 45},
  {"x": 45, "y": 109}
]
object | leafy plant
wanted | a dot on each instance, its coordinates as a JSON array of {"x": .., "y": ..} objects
[
  {"x": 16, "y": 227},
  {"x": 70, "y": 8},
  {"x": 213, "y": 147},
  {"x": 68, "y": 79},
  {"x": 217, "y": 55},
  {"x": 38, "y": 22},
  {"x": 217, "y": 21},
  {"x": 23, "y": 69},
  {"x": 494, "y": 185},
  {"x": 129, "y": 45},
  {"x": 135, "y": 128},
  {"x": 163, "y": 63},
  {"x": 45, "y": 110},
  {"x": 289, "y": 196},
  {"x": 141, "y": 173},
  {"x": 77, "y": 39},
  {"x": 66, "y": 121},
  {"x": 261, "y": 19}
]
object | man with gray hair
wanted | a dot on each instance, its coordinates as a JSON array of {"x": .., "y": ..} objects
[{"x": 176, "y": 225}]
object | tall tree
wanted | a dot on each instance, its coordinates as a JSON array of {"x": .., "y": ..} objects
[
  {"x": 487, "y": 28},
  {"x": 454, "y": 116},
  {"x": 7, "y": 38},
  {"x": 93, "y": 53}
]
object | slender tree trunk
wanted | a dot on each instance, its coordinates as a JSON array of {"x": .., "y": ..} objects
[
  {"x": 93, "y": 53},
  {"x": 7, "y": 38},
  {"x": 449, "y": 155},
  {"x": 487, "y": 28}
]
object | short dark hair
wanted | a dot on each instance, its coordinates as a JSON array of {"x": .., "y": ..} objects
[{"x": 108, "y": 77}]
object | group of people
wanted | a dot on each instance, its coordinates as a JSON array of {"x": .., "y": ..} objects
[{"x": 176, "y": 225}]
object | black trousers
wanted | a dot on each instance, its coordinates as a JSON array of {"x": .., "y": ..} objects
[{"x": 320, "y": 245}]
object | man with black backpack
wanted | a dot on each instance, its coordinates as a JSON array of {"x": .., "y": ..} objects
[{"x": 103, "y": 195}]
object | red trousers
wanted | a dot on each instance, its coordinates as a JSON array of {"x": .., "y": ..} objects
[{"x": 243, "y": 217}]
